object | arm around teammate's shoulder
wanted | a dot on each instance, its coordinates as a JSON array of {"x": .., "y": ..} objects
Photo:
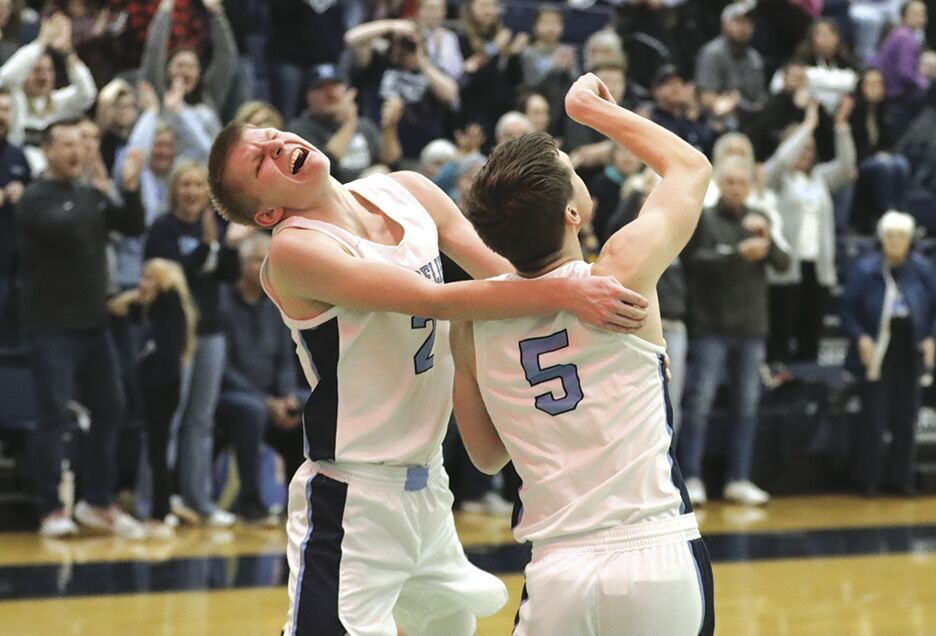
[
  {"x": 595, "y": 302},
  {"x": 309, "y": 266}
]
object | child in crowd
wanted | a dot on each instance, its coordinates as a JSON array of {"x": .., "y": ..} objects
[{"x": 162, "y": 301}]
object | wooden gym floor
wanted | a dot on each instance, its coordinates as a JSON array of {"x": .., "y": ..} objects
[{"x": 835, "y": 566}]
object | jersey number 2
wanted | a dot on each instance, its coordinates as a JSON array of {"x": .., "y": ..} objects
[
  {"x": 530, "y": 352},
  {"x": 423, "y": 360}
]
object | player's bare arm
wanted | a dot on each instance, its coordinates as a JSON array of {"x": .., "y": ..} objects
[
  {"x": 641, "y": 251},
  {"x": 315, "y": 268},
  {"x": 459, "y": 241},
  {"x": 484, "y": 445}
]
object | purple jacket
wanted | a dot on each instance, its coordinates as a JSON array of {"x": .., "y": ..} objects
[{"x": 898, "y": 59}]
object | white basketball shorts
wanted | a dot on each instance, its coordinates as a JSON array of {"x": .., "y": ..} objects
[
  {"x": 650, "y": 579},
  {"x": 370, "y": 546}
]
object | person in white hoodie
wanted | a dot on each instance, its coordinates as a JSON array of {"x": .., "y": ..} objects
[
  {"x": 804, "y": 200},
  {"x": 29, "y": 75}
]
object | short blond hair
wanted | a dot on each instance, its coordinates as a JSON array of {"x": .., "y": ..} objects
[{"x": 234, "y": 206}]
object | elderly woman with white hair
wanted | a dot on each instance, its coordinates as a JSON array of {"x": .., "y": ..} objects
[{"x": 889, "y": 311}]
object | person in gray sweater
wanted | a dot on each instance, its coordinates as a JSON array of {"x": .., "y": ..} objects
[
  {"x": 804, "y": 190},
  {"x": 178, "y": 78},
  {"x": 726, "y": 264}
]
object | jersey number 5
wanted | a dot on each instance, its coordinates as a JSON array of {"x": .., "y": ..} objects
[
  {"x": 530, "y": 352},
  {"x": 423, "y": 360}
]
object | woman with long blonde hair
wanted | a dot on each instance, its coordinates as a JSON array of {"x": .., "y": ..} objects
[
  {"x": 164, "y": 303},
  {"x": 192, "y": 235}
]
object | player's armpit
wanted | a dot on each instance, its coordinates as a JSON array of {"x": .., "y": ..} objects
[
  {"x": 484, "y": 445},
  {"x": 633, "y": 255}
]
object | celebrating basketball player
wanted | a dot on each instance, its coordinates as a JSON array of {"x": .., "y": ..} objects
[
  {"x": 584, "y": 414},
  {"x": 354, "y": 270}
]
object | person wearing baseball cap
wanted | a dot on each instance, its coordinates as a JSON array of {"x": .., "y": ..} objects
[
  {"x": 331, "y": 123},
  {"x": 738, "y": 10},
  {"x": 675, "y": 108},
  {"x": 729, "y": 72}
]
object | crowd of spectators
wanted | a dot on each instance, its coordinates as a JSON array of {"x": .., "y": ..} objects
[{"x": 131, "y": 296}]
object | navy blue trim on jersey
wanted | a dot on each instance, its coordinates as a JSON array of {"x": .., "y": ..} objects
[
  {"x": 675, "y": 473},
  {"x": 516, "y": 515},
  {"x": 317, "y": 586},
  {"x": 320, "y": 417},
  {"x": 706, "y": 585}
]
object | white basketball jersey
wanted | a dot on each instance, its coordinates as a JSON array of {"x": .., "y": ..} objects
[
  {"x": 583, "y": 414},
  {"x": 381, "y": 382}
]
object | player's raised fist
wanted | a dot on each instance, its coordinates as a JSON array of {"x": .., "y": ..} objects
[{"x": 580, "y": 99}]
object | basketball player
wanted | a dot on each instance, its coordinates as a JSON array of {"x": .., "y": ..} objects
[
  {"x": 353, "y": 270},
  {"x": 584, "y": 414}
]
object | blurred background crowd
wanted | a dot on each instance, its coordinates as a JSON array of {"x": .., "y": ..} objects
[{"x": 145, "y": 376}]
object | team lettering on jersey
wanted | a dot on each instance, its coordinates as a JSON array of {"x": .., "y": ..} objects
[{"x": 433, "y": 270}]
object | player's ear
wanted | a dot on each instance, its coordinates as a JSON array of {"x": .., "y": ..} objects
[
  {"x": 572, "y": 216},
  {"x": 268, "y": 218}
]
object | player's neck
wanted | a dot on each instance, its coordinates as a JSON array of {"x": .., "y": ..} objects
[
  {"x": 571, "y": 251},
  {"x": 337, "y": 206}
]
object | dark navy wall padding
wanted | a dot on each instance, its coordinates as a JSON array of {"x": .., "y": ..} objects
[
  {"x": 320, "y": 418},
  {"x": 319, "y": 585}
]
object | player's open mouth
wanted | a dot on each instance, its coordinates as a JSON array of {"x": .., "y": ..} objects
[{"x": 298, "y": 158}]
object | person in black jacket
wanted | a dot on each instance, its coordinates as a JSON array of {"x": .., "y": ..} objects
[
  {"x": 165, "y": 305},
  {"x": 883, "y": 175},
  {"x": 62, "y": 227},
  {"x": 493, "y": 67},
  {"x": 302, "y": 35},
  {"x": 787, "y": 107},
  {"x": 191, "y": 234}
]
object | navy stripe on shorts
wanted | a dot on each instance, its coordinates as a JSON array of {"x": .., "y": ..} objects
[
  {"x": 317, "y": 589},
  {"x": 707, "y": 582}
]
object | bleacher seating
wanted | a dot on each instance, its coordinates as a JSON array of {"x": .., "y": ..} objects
[
  {"x": 518, "y": 15},
  {"x": 17, "y": 407}
]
